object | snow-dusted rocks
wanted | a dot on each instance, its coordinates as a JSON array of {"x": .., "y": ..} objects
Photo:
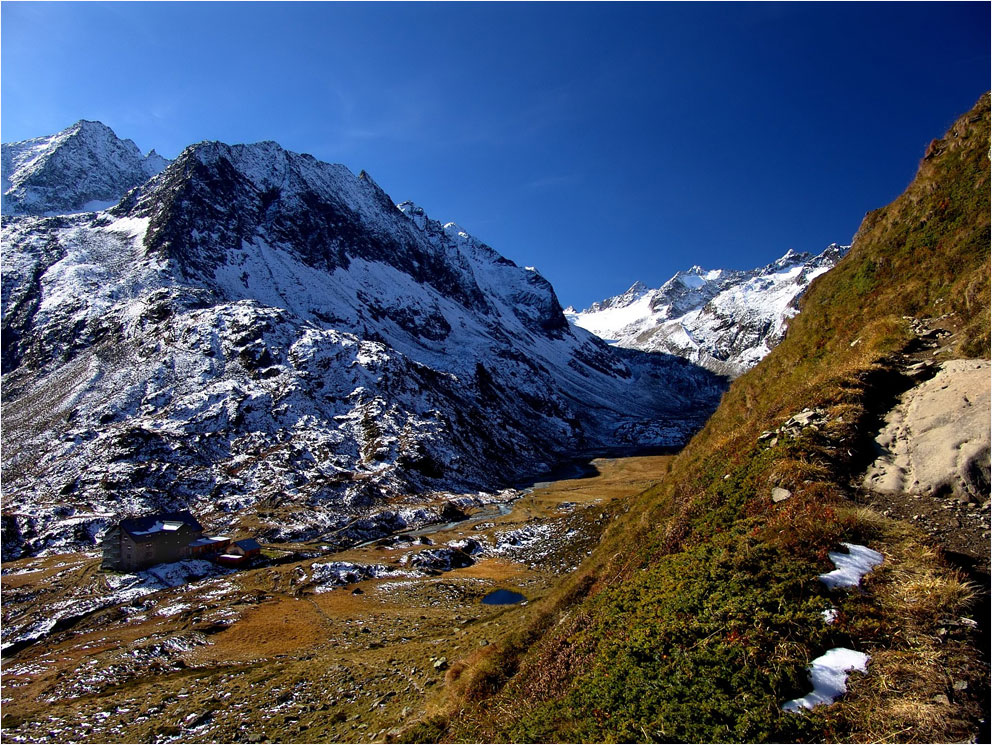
[
  {"x": 121, "y": 588},
  {"x": 723, "y": 320},
  {"x": 251, "y": 331},
  {"x": 82, "y": 168}
]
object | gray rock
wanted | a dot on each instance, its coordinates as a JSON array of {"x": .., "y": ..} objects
[
  {"x": 936, "y": 440},
  {"x": 780, "y": 495}
]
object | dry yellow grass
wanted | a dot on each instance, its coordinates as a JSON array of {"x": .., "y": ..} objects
[{"x": 919, "y": 652}]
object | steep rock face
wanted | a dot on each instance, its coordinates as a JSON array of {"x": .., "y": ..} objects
[
  {"x": 725, "y": 321},
  {"x": 260, "y": 337},
  {"x": 83, "y": 167}
]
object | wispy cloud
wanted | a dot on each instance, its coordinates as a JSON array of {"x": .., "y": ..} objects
[
  {"x": 552, "y": 109},
  {"x": 399, "y": 115},
  {"x": 551, "y": 182}
]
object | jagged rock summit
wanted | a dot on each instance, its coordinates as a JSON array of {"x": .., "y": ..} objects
[
  {"x": 260, "y": 337},
  {"x": 723, "y": 320},
  {"x": 83, "y": 167}
]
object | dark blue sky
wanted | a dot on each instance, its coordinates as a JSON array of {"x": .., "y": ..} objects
[{"x": 601, "y": 143}]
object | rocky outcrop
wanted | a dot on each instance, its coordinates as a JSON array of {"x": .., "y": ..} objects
[{"x": 936, "y": 440}]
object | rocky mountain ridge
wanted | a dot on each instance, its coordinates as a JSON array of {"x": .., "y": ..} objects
[
  {"x": 271, "y": 342},
  {"x": 723, "y": 320},
  {"x": 83, "y": 167}
]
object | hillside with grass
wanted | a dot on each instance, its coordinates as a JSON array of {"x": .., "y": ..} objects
[{"x": 698, "y": 613}]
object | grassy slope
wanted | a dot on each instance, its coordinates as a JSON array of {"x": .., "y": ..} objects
[{"x": 698, "y": 613}]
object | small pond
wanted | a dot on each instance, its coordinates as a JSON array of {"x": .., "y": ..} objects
[{"x": 503, "y": 597}]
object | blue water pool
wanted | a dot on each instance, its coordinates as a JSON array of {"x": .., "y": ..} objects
[{"x": 503, "y": 597}]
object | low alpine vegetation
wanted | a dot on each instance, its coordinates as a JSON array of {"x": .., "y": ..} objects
[{"x": 701, "y": 609}]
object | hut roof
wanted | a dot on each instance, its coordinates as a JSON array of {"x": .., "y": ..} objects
[{"x": 149, "y": 527}]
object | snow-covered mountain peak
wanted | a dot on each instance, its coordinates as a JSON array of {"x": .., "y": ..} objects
[
  {"x": 635, "y": 291},
  {"x": 410, "y": 209},
  {"x": 267, "y": 165},
  {"x": 723, "y": 320},
  {"x": 414, "y": 212},
  {"x": 83, "y": 167},
  {"x": 455, "y": 231},
  {"x": 789, "y": 255},
  {"x": 692, "y": 279}
]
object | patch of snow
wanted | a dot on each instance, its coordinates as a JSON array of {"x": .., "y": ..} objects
[
  {"x": 851, "y": 566},
  {"x": 98, "y": 205},
  {"x": 160, "y": 526},
  {"x": 19, "y": 572},
  {"x": 828, "y": 674},
  {"x": 172, "y": 610}
]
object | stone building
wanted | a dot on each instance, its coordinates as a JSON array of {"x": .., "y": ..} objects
[{"x": 140, "y": 542}]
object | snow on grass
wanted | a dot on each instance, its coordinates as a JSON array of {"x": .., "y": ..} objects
[
  {"x": 19, "y": 572},
  {"x": 180, "y": 572},
  {"x": 851, "y": 567},
  {"x": 172, "y": 610},
  {"x": 828, "y": 674}
]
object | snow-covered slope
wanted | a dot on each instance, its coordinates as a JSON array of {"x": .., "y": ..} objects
[
  {"x": 270, "y": 341},
  {"x": 83, "y": 167},
  {"x": 725, "y": 321}
]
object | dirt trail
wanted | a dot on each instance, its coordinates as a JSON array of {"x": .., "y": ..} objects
[
  {"x": 936, "y": 441},
  {"x": 932, "y": 466}
]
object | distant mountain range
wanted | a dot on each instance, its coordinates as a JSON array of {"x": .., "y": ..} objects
[
  {"x": 723, "y": 320},
  {"x": 258, "y": 336}
]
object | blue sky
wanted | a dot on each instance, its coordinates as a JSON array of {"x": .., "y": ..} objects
[{"x": 601, "y": 143}]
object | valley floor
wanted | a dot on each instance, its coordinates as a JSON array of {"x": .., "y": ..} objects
[{"x": 270, "y": 653}]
